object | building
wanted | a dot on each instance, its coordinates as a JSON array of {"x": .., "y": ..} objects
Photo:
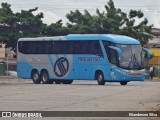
[
  {"x": 2, "y": 51},
  {"x": 154, "y": 47},
  {"x": 7, "y": 63}
]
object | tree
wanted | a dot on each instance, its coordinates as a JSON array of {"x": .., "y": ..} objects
[
  {"x": 111, "y": 21},
  {"x": 83, "y": 23},
  {"x": 16, "y": 25},
  {"x": 56, "y": 29}
]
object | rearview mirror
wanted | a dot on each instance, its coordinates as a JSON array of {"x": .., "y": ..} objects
[
  {"x": 147, "y": 52},
  {"x": 118, "y": 51}
]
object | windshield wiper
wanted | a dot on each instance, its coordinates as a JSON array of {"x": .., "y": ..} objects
[
  {"x": 130, "y": 62},
  {"x": 135, "y": 62}
]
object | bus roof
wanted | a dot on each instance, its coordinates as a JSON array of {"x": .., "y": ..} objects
[{"x": 109, "y": 37}]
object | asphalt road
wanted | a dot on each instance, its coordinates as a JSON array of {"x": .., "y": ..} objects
[{"x": 22, "y": 95}]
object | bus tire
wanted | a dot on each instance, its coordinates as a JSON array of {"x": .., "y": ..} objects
[
  {"x": 35, "y": 77},
  {"x": 45, "y": 78},
  {"x": 123, "y": 83},
  {"x": 58, "y": 81},
  {"x": 100, "y": 78},
  {"x": 67, "y": 81}
]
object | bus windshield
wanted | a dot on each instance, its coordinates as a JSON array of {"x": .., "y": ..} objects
[{"x": 132, "y": 56}]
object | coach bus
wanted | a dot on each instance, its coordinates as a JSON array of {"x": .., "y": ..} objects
[{"x": 62, "y": 59}]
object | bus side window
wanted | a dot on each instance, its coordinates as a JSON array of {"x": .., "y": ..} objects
[
  {"x": 67, "y": 47},
  {"x": 51, "y": 44},
  {"x": 21, "y": 47},
  {"x": 84, "y": 48},
  {"x": 47, "y": 48},
  {"x": 28, "y": 48},
  {"x": 97, "y": 48},
  {"x": 31, "y": 47},
  {"x": 39, "y": 48},
  {"x": 57, "y": 47},
  {"x": 78, "y": 47},
  {"x": 53, "y": 48},
  {"x": 88, "y": 47},
  {"x": 113, "y": 57},
  {"x": 106, "y": 46},
  {"x": 91, "y": 47}
]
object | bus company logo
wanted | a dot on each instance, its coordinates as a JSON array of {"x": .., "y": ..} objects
[
  {"x": 61, "y": 67},
  {"x": 6, "y": 114}
]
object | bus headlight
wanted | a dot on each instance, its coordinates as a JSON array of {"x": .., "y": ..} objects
[
  {"x": 136, "y": 72},
  {"x": 126, "y": 71}
]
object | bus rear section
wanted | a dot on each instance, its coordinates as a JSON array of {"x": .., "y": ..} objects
[{"x": 60, "y": 61}]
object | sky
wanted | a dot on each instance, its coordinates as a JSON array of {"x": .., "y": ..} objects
[{"x": 55, "y": 10}]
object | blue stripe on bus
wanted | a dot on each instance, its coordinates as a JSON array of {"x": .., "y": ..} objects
[{"x": 51, "y": 61}]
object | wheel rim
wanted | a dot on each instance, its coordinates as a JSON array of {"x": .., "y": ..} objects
[
  {"x": 100, "y": 77},
  {"x": 45, "y": 77},
  {"x": 35, "y": 77}
]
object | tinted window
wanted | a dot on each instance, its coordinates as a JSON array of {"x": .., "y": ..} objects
[
  {"x": 20, "y": 47},
  {"x": 87, "y": 47},
  {"x": 33, "y": 47},
  {"x": 111, "y": 53},
  {"x": 106, "y": 46},
  {"x": 68, "y": 47},
  {"x": 59, "y": 47},
  {"x": 113, "y": 58}
]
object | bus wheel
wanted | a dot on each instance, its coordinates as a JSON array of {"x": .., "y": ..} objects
[
  {"x": 45, "y": 79},
  {"x": 100, "y": 78},
  {"x": 58, "y": 81},
  {"x": 67, "y": 81},
  {"x": 123, "y": 83},
  {"x": 35, "y": 77}
]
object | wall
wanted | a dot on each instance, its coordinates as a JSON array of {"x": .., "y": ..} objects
[
  {"x": 156, "y": 53},
  {"x": 2, "y": 51}
]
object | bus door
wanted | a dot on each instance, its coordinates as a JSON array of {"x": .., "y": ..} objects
[
  {"x": 112, "y": 59},
  {"x": 78, "y": 71}
]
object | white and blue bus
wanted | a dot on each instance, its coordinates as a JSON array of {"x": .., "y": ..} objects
[{"x": 62, "y": 59}]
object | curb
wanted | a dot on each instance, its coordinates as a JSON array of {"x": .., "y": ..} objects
[
  {"x": 152, "y": 80},
  {"x": 7, "y": 77}
]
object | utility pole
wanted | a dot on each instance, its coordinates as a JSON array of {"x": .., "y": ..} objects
[
  {"x": 158, "y": 67},
  {"x": 7, "y": 61}
]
